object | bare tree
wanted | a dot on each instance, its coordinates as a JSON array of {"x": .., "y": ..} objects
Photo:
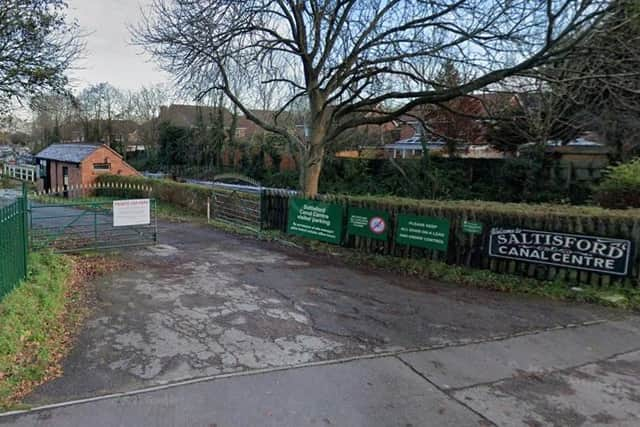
[
  {"x": 349, "y": 58},
  {"x": 51, "y": 114},
  {"x": 145, "y": 109},
  {"x": 37, "y": 46},
  {"x": 594, "y": 88},
  {"x": 601, "y": 79}
]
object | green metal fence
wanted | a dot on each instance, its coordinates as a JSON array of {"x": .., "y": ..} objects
[
  {"x": 13, "y": 244},
  {"x": 68, "y": 225}
]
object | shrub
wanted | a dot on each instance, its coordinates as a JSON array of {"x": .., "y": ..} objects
[
  {"x": 621, "y": 187},
  {"x": 187, "y": 196}
]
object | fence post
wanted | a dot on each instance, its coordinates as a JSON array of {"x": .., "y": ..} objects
[
  {"x": 25, "y": 227},
  {"x": 95, "y": 226},
  {"x": 263, "y": 201}
]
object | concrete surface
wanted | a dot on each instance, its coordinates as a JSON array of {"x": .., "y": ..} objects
[
  {"x": 394, "y": 390},
  {"x": 207, "y": 305},
  {"x": 457, "y": 367},
  {"x": 603, "y": 393}
]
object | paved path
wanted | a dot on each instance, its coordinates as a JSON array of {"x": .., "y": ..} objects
[
  {"x": 585, "y": 375},
  {"x": 204, "y": 304}
]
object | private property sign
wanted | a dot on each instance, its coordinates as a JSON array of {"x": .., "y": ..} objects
[
  {"x": 131, "y": 212},
  {"x": 597, "y": 254},
  {"x": 316, "y": 220},
  {"x": 423, "y": 231},
  {"x": 368, "y": 223}
]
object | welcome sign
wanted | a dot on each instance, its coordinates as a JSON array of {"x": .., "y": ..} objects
[{"x": 597, "y": 254}]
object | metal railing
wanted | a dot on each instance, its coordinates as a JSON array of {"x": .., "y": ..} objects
[
  {"x": 13, "y": 244},
  {"x": 71, "y": 225}
]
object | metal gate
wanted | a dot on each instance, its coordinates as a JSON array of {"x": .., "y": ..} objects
[
  {"x": 237, "y": 208},
  {"x": 67, "y": 223}
]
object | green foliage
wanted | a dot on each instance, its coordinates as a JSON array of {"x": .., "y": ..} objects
[
  {"x": 27, "y": 317},
  {"x": 433, "y": 270},
  {"x": 480, "y": 208},
  {"x": 526, "y": 179},
  {"x": 174, "y": 143},
  {"x": 37, "y": 46},
  {"x": 191, "y": 197},
  {"x": 7, "y": 182},
  {"x": 621, "y": 187}
]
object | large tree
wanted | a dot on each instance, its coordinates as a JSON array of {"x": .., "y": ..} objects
[
  {"x": 594, "y": 88},
  {"x": 355, "y": 62},
  {"x": 37, "y": 46},
  {"x": 601, "y": 79}
]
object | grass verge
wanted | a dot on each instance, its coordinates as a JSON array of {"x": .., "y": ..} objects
[
  {"x": 613, "y": 296},
  {"x": 8, "y": 183},
  {"x": 31, "y": 336},
  {"x": 40, "y": 318}
]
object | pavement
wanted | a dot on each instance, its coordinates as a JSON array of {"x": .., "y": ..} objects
[{"x": 215, "y": 330}]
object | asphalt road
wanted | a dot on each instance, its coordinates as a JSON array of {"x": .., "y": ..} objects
[{"x": 277, "y": 337}]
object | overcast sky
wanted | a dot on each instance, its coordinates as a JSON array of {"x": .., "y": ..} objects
[{"x": 109, "y": 56}]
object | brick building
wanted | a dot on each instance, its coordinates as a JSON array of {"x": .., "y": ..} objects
[{"x": 66, "y": 165}]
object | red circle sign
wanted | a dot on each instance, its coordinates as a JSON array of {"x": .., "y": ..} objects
[{"x": 377, "y": 225}]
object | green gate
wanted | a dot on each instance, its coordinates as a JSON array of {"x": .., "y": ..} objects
[
  {"x": 83, "y": 219},
  {"x": 13, "y": 243}
]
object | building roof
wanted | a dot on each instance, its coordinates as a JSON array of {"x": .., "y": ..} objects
[
  {"x": 70, "y": 153},
  {"x": 410, "y": 144}
]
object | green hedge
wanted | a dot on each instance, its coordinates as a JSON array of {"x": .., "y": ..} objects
[
  {"x": 188, "y": 196},
  {"x": 621, "y": 187}
]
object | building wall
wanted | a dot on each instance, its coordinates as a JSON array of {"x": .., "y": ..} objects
[
  {"x": 57, "y": 177},
  {"x": 104, "y": 156}
]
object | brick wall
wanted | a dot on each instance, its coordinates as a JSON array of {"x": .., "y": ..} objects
[{"x": 104, "y": 155}]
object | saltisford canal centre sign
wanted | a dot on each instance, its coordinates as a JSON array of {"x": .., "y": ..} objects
[
  {"x": 423, "y": 231},
  {"x": 316, "y": 220},
  {"x": 597, "y": 254},
  {"x": 368, "y": 223}
]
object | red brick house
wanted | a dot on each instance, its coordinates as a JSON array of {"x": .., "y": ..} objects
[{"x": 70, "y": 165}]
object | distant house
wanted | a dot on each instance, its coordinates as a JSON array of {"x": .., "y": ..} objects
[
  {"x": 411, "y": 147},
  {"x": 66, "y": 165}
]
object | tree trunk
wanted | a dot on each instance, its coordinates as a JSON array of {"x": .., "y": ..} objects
[
  {"x": 314, "y": 154},
  {"x": 312, "y": 165}
]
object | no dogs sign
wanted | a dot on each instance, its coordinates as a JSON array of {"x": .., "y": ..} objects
[{"x": 368, "y": 223}]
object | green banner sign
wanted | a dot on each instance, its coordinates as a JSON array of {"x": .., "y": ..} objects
[
  {"x": 472, "y": 227},
  {"x": 423, "y": 231},
  {"x": 368, "y": 223},
  {"x": 316, "y": 220}
]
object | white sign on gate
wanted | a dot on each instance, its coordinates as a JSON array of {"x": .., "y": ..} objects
[{"x": 131, "y": 212}]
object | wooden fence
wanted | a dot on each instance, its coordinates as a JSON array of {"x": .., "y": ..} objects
[
  {"x": 472, "y": 250},
  {"x": 20, "y": 172}
]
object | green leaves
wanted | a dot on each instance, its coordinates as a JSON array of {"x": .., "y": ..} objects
[
  {"x": 621, "y": 187},
  {"x": 37, "y": 46}
]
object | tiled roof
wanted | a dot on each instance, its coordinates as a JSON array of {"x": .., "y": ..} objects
[{"x": 71, "y": 153}]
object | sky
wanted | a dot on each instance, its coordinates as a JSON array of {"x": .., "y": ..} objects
[{"x": 110, "y": 56}]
